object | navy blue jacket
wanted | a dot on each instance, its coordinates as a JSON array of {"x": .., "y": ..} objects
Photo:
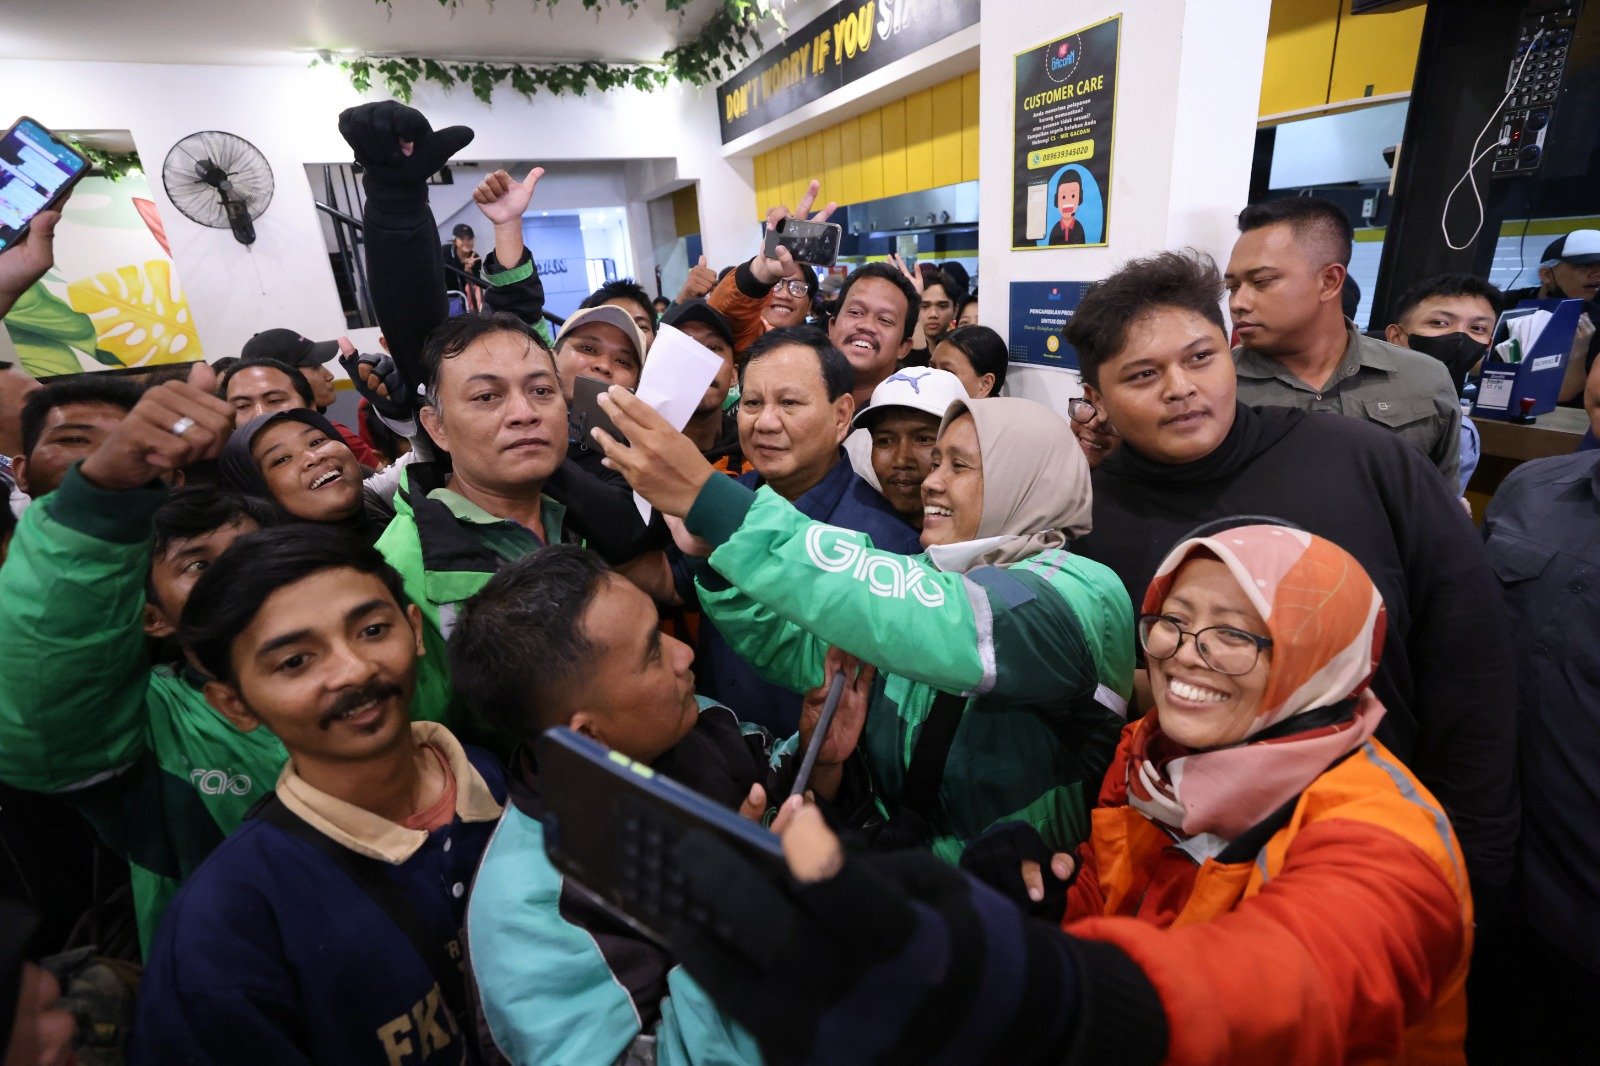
[
  {"x": 841, "y": 499},
  {"x": 1543, "y": 533},
  {"x": 272, "y": 954}
]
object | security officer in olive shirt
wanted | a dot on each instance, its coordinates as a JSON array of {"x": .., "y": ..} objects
[{"x": 1297, "y": 349}]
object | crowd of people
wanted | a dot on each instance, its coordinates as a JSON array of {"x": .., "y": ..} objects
[{"x": 1193, "y": 723}]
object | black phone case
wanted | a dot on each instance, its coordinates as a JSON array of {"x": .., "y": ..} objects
[
  {"x": 587, "y": 414},
  {"x": 611, "y": 826}
]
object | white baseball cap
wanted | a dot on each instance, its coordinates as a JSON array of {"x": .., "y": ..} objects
[
  {"x": 1581, "y": 247},
  {"x": 921, "y": 388}
]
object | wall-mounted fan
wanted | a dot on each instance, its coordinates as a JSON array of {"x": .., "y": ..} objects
[{"x": 219, "y": 180}]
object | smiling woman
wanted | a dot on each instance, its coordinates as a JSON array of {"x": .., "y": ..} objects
[{"x": 299, "y": 461}]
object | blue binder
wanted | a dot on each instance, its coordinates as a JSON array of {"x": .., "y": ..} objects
[{"x": 1503, "y": 386}]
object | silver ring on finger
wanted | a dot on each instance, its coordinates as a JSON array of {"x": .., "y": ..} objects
[{"x": 182, "y": 426}]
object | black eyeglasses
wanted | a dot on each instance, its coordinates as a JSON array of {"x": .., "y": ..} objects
[
  {"x": 1083, "y": 412},
  {"x": 1223, "y": 648}
]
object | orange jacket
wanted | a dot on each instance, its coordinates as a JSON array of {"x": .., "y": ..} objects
[
  {"x": 1347, "y": 939},
  {"x": 736, "y": 297}
]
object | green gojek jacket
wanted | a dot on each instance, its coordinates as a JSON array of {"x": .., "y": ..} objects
[
  {"x": 1042, "y": 649},
  {"x": 159, "y": 774}
]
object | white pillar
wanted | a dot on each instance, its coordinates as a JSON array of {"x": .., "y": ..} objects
[{"x": 1188, "y": 87}]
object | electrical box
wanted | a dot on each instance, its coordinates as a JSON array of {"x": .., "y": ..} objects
[{"x": 1535, "y": 83}]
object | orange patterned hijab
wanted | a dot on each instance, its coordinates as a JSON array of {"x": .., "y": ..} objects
[
  {"x": 1326, "y": 621},
  {"x": 1325, "y": 617}
]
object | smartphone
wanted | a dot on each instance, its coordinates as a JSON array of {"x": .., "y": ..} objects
[
  {"x": 611, "y": 826},
  {"x": 37, "y": 170},
  {"x": 586, "y": 412},
  {"x": 816, "y": 243}
]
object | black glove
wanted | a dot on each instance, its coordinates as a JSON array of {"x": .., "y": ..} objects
[
  {"x": 996, "y": 856},
  {"x": 398, "y": 404},
  {"x": 898, "y": 958},
  {"x": 394, "y": 181}
]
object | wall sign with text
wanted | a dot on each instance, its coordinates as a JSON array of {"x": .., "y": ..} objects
[
  {"x": 850, "y": 40},
  {"x": 1065, "y": 107},
  {"x": 1039, "y": 312}
]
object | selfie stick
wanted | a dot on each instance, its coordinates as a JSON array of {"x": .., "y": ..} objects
[{"x": 829, "y": 705}]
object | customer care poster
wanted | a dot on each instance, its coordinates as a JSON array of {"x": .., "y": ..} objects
[{"x": 1066, "y": 99}]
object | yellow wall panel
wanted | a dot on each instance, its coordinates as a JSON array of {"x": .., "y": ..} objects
[
  {"x": 777, "y": 179},
  {"x": 832, "y": 175},
  {"x": 1376, "y": 54},
  {"x": 849, "y": 190},
  {"x": 926, "y": 140},
  {"x": 816, "y": 164},
  {"x": 871, "y": 154},
  {"x": 969, "y": 126},
  {"x": 919, "y": 141},
  {"x": 763, "y": 184},
  {"x": 1300, "y": 43},
  {"x": 947, "y": 132},
  {"x": 894, "y": 147},
  {"x": 686, "y": 211}
]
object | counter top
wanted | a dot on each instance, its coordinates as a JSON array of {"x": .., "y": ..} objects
[{"x": 1556, "y": 433}]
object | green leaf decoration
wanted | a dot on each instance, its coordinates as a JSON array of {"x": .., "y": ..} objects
[
  {"x": 49, "y": 334},
  {"x": 41, "y": 355},
  {"x": 727, "y": 38}
]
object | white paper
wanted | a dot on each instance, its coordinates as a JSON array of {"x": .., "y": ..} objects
[
  {"x": 1038, "y": 203},
  {"x": 1495, "y": 392},
  {"x": 677, "y": 373}
]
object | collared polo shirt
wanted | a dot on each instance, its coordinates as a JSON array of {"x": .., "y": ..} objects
[
  {"x": 507, "y": 539},
  {"x": 1401, "y": 390}
]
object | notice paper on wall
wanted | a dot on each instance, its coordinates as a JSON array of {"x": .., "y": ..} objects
[
  {"x": 1064, "y": 111},
  {"x": 676, "y": 376}
]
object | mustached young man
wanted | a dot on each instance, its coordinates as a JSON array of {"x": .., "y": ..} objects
[{"x": 326, "y": 929}]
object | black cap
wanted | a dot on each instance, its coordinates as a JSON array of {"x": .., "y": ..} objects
[
  {"x": 287, "y": 346},
  {"x": 699, "y": 311}
]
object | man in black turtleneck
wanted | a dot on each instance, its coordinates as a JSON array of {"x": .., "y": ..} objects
[{"x": 1154, "y": 358}]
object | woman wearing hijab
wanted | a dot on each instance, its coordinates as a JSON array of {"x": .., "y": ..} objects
[
  {"x": 1264, "y": 883},
  {"x": 1004, "y": 660},
  {"x": 297, "y": 459}
]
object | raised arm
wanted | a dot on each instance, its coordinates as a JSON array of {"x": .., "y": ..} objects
[
  {"x": 398, "y": 151},
  {"x": 74, "y": 677}
]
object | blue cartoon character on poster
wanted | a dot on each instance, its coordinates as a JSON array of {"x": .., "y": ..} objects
[{"x": 1076, "y": 213}]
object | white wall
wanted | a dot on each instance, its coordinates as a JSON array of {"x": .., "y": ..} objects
[
  {"x": 1188, "y": 84},
  {"x": 290, "y": 113}
]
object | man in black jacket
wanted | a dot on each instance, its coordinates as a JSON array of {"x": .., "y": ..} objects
[{"x": 1154, "y": 356}]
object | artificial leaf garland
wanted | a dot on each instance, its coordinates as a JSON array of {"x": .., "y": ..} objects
[
  {"x": 727, "y": 38},
  {"x": 112, "y": 165}
]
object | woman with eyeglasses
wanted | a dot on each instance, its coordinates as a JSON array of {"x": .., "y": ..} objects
[
  {"x": 1264, "y": 881},
  {"x": 1096, "y": 435}
]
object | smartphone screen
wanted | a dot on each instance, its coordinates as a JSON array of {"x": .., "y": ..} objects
[
  {"x": 35, "y": 169},
  {"x": 813, "y": 243}
]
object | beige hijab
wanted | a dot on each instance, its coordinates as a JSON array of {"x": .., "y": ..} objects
[{"x": 1036, "y": 491}]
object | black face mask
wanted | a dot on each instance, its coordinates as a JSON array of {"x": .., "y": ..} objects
[{"x": 1457, "y": 351}]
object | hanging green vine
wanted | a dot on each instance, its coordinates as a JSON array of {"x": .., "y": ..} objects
[
  {"x": 728, "y": 38},
  {"x": 112, "y": 165}
]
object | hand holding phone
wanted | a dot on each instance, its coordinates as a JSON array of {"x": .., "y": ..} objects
[
  {"x": 37, "y": 171},
  {"x": 777, "y": 258}
]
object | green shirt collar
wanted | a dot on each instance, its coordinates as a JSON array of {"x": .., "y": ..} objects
[{"x": 552, "y": 512}]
